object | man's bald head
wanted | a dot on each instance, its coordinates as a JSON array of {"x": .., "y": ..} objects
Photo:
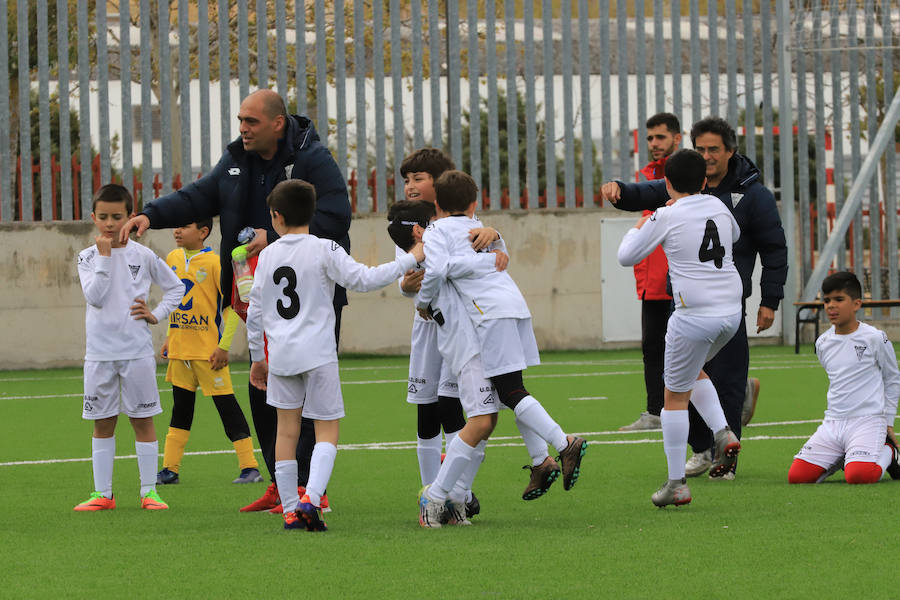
[{"x": 272, "y": 103}]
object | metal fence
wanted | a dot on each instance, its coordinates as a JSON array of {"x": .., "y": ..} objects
[{"x": 539, "y": 101}]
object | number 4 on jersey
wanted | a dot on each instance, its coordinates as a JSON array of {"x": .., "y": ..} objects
[{"x": 710, "y": 248}]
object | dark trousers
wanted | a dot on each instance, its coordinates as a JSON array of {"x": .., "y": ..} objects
[
  {"x": 265, "y": 421},
  {"x": 728, "y": 371},
  {"x": 654, "y": 318}
]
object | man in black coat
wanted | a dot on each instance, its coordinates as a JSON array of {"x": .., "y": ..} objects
[
  {"x": 735, "y": 180},
  {"x": 273, "y": 146}
]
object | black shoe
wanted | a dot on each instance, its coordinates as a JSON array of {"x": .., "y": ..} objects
[
  {"x": 166, "y": 476},
  {"x": 893, "y": 469},
  {"x": 473, "y": 506}
]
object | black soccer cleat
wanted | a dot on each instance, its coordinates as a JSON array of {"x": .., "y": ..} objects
[{"x": 893, "y": 469}]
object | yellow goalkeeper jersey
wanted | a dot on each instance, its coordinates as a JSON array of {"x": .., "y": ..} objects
[{"x": 194, "y": 324}]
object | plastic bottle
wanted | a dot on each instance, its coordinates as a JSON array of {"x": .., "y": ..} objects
[{"x": 243, "y": 277}]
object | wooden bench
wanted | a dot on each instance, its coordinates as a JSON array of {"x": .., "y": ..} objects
[{"x": 815, "y": 307}]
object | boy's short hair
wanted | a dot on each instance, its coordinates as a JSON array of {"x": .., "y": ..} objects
[
  {"x": 427, "y": 160},
  {"x": 403, "y": 216},
  {"x": 208, "y": 223},
  {"x": 686, "y": 170},
  {"x": 716, "y": 125},
  {"x": 113, "y": 192},
  {"x": 843, "y": 281},
  {"x": 454, "y": 191},
  {"x": 668, "y": 119},
  {"x": 295, "y": 200}
]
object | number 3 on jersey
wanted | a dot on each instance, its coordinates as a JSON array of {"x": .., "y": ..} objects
[
  {"x": 292, "y": 309},
  {"x": 710, "y": 248}
]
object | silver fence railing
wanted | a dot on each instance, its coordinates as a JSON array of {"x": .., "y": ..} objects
[{"x": 539, "y": 100}]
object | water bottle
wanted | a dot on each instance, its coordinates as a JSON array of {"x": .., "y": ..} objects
[
  {"x": 246, "y": 235},
  {"x": 243, "y": 277}
]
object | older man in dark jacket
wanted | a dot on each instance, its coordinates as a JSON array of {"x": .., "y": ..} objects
[
  {"x": 273, "y": 146},
  {"x": 735, "y": 180}
]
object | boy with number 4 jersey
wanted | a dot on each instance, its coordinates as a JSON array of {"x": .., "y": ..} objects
[
  {"x": 291, "y": 302},
  {"x": 863, "y": 388},
  {"x": 119, "y": 366}
]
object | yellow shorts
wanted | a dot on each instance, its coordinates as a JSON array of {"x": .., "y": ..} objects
[{"x": 188, "y": 374}]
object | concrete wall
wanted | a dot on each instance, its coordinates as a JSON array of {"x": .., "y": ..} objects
[{"x": 555, "y": 261}]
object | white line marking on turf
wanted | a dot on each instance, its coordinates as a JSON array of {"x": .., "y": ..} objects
[{"x": 590, "y": 398}]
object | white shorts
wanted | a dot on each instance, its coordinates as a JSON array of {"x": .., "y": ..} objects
[
  {"x": 120, "y": 386},
  {"x": 507, "y": 345},
  {"x": 477, "y": 394},
  {"x": 859, "y": 439},
  {"x": 317, "y": 392},
  {"x": 691, "y": 341},
  {"x": 428, "y": 376}
]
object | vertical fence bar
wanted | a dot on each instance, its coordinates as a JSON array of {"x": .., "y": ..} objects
[
  {"x": 872, "y": 129},
  {"x": 300, "y": 51},
  {"x": 786, "y": 157},
  {"x": 626, "y": 164},
  {"x": 146, "y": 114},
  {"x": 7, "y": 164},
  {"x": 731, "y": 55},
  {"x": 225, "y": 72},
  {"x": 474, "y": 105},
  {"x": 568, "y": 110},
  {"x": 890, "y": 171},
  {"x": 749, "y": 108},
  {"x": 454, "y": 92},
  {"x": 768, "y": 120},
  {"x": 640, "y": 70},
  {"x": 65, "y": 140},
  {"x": 103, "y": 92},
  {"x": 837, "y": 121},
  {"x": 378, "y": 76},
  {"x": 696, "y": 61},
  {"x": 27, "y": 197},
  {"x": 203, "y": 84},
  {"x": 434, "y": 75},
  {"x": 363, "y": 203},
  {"x": 821, "y": 160},
  {"x": 418, "y": 76},
  {"x": 677, "y": 102},
  {"x": 262, "y": 45},
  {"x": 802, "y": 149},
  {"x": 493, "y": 127},
  {"x": 43, "y": 51},
  {"x": 125, "y": 81},
  {"x": 659, "y": 57},
  {"x": 322, "y": 71},
  {"x": 713, "y": 70},
  {"x": 531, "y": 157},
  {"x": 281, "y": 49},
  {"x": 396, "y": 95},
  {"x": 549, "y": 109},
  {"x": 184, "y": 91},
  {"x": 84, "y": 107},
  {"x": 243, "y": 41},
  {"x": 608, "y": 163},
  {"x": 165, "y": 100},
  {"x": 584, "y": 71},
  {"x": 512, "y": 103},
  {"x": 340, "y": 85},
  {"x": 855, "y": 135}
]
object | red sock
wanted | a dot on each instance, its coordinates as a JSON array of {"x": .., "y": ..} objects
[
  {"x": 804, "y": 472},
  {"x": 862, "y": 472}
]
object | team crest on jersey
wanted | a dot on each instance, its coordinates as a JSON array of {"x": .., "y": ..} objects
[
  {"x": 736, "y": 199},
  {"x": 653, "y": 216},
  {"x": 860, "y": 351},
  {"x": 234, "y": 171},
  {"x": 134, "y": 270},
  {"x": 885, "y": 337},
  {"x": 489, "y": 399},
  {"x": 87, "y": 258},
  {"x": 412, "y": 389},
  {"x": 201, "y": 275},
  {"x": 335, "y": 246}
]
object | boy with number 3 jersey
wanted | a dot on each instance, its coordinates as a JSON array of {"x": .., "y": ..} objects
[{"x": 291, "y": 302}]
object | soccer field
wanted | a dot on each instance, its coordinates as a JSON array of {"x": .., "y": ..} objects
[{"x": 752, "y": 537}]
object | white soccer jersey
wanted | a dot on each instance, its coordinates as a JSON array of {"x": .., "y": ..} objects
[
  {"x": 292, "y": 299},
  {"x": 697, "y": 234},
  {"x": 863, "y": 379},
  {"x": 486, "y": 292},
  {"x": 110, "y": 285}
]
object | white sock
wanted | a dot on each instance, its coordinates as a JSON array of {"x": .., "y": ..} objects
[
  {"x": 428, "y": 451},
  {"x": 449, "y": 437},
  {"x": 148, "y": 463},
  {"x": 471, "y": 470},
  {"x": 884, "y": 459},
  {"x": 530, "y": 412},
  {"x": 286, "y": 478},
  {"x": 320, "y": 467},
  {"x": 103, "y": 455},
  {"x": 706, "y": 400},
  {"x": 675, "y": 426},
  {"x": 535, "y": 444},
  {"x": 459, "y": 455}
]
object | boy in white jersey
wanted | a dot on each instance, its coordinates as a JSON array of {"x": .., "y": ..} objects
[
  {"x": 291, "y": 302},
  {"x": 119, "y": 364},
  {"x": 863, "y": 388},
  {"x": 506, "y": 343},
  {"x": 697, "y": 232}
]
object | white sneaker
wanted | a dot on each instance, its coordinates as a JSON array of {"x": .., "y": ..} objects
[
  {"x": 698, "y": 464},
  {"x": 645, "y": 421},
  {"x": 432, "y": 514}
]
